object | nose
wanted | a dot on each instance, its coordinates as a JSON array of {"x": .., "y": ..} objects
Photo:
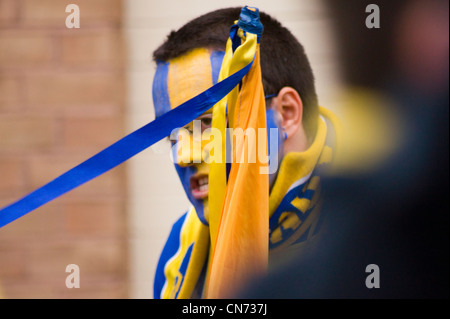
[{"x": 189, "y": 149}]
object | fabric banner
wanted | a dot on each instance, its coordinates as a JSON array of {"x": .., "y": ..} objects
[{"x": 239, "y": 236}]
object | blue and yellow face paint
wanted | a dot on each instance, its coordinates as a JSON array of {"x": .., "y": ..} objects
[
  {"x": 177, "y": 81},
  {"x": 273, "y": 119}
]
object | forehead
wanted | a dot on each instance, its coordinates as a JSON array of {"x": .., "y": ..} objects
[{"x": 184, "y": 77}]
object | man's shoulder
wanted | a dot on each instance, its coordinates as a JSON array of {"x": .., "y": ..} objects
[{"x": 176, "y": 226}]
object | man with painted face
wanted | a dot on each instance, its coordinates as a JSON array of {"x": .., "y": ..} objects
[{"x": 188, "y": 63}]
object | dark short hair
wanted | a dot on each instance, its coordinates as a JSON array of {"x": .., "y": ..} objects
[{"x": 283, "y": 59}]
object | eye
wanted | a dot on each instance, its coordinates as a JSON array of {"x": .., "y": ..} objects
[
  {"x": 189, "y": 128},
  {"x": 206, "y": 121}
]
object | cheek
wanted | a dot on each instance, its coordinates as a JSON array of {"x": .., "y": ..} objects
[
  {"x": 274, "y": 122},
  {"x": 185, "y": 173},
  {"x": 202, "y": 168}
]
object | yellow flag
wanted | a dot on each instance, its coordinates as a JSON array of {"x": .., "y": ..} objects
[{"x": 240, "y": 241}]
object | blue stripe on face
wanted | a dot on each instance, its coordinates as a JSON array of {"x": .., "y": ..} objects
[
  {"x": 161, "y": 100},
  {"x": 275, "y": 156},
  {"x": 185, "y": 173},
  {"x": 273, "y": 122},
  {"x": 216, "y": 64}
]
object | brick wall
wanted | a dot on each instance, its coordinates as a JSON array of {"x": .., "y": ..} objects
[{"x": 62, "y": 100}]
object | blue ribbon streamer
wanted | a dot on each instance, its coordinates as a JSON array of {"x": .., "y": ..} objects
[{"x": 123, "y": 149}]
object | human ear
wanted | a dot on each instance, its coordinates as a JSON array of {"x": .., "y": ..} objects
[{"x": 289, "y": 104}]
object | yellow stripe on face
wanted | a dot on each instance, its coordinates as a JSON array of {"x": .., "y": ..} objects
[{"x": 189, "y": 75}]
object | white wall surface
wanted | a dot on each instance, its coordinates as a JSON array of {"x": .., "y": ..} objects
[{"x": 156, "y": 198}]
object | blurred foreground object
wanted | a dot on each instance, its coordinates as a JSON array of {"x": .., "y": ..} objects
[{"x": 394, "y": 212}]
